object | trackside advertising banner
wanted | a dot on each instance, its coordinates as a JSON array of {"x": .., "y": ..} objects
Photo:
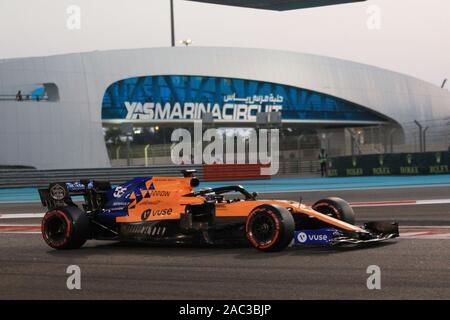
[{"x": 390, "y": 164}]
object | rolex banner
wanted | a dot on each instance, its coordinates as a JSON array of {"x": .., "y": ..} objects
[{"x": 390, "y": 164}]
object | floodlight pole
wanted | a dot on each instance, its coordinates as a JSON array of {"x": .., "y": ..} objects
[{"x": 172, "y": 24}]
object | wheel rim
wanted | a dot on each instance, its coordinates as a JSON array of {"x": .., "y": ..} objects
[
  {"x": 56, "y": 229},
  {"x": 263, "y": 229},
  {"x": 328, "y": 211}
]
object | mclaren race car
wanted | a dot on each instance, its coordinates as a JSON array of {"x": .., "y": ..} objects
[{"x": 168, "y": 210}]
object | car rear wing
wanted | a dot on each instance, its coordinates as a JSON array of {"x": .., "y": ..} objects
[{"x": 60, "y": 194}]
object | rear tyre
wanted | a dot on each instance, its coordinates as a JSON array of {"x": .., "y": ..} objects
[
  {"x": 336, "y": 208},
  {"x": 65, "y": 228},
  {"x": 270, "y": 228}
]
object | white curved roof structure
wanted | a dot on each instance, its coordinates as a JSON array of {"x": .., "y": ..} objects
[
  {"x": 279, "y": 5},
  {"x": 64, "y": 130}
]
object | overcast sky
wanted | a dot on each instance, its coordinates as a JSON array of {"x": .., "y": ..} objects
[{"x": 414, "y": 37}]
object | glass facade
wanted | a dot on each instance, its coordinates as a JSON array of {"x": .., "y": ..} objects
[{"x": 177, "y": 97}]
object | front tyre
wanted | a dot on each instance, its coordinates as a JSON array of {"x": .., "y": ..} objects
[
  {"x": 336, "y": 208},
  {"x": 270, "y": 228},
  {"x": 65, "y": 228}
]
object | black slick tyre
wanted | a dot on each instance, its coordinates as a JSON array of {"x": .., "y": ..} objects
[{"x": 270, "y": 228}]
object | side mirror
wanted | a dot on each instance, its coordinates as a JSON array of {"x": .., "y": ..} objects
[{"x": 254, "y": 194}]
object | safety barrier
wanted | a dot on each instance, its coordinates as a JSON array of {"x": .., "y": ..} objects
[
  {"x": 299, "y": 167},
  {"x": 390, "y": 164},
  {"x": 38, "y": 178},
  {"x": 226, "y": 172},
  {"x": 25, "y": 177}
]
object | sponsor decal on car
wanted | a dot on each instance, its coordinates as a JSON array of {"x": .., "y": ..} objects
[
  {"x": 78, "y": 186},
  {"x": 157, "y": 212},
  {"x": 57, "y": 192},
  {"x": 146, "y": 214},
  {"x": 156, "y": 193},
  {"x": 119, "y": 204},
  {"x": 162, "y": 212},
  {"x": 149, "y": 202},
  {"x": 119, "y": 192},
  {"x": 315, "y": 237}
]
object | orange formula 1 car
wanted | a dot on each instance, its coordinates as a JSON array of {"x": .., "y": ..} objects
[{"x": 168, "y": 210}]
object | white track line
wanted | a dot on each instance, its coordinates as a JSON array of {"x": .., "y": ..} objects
[
  {"x": 436, "y": 201},
  {"x": 21, "y": 215},
  {"x": 21, "y": 232},
  {"x": 20, "y": 229},
  {"x": 18, "y": 225},
  {"x": 399, "y": 203}
]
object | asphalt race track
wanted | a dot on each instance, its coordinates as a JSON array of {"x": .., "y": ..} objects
[{"x": 416, "y": 266}]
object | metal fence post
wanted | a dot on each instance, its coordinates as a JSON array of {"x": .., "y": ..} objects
[
  {"x": 424, "y": 143},
  {"x": 420, "y": 134},
  {"x": 128, "y": 151},
  {"x": 146, "y": 154}
]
